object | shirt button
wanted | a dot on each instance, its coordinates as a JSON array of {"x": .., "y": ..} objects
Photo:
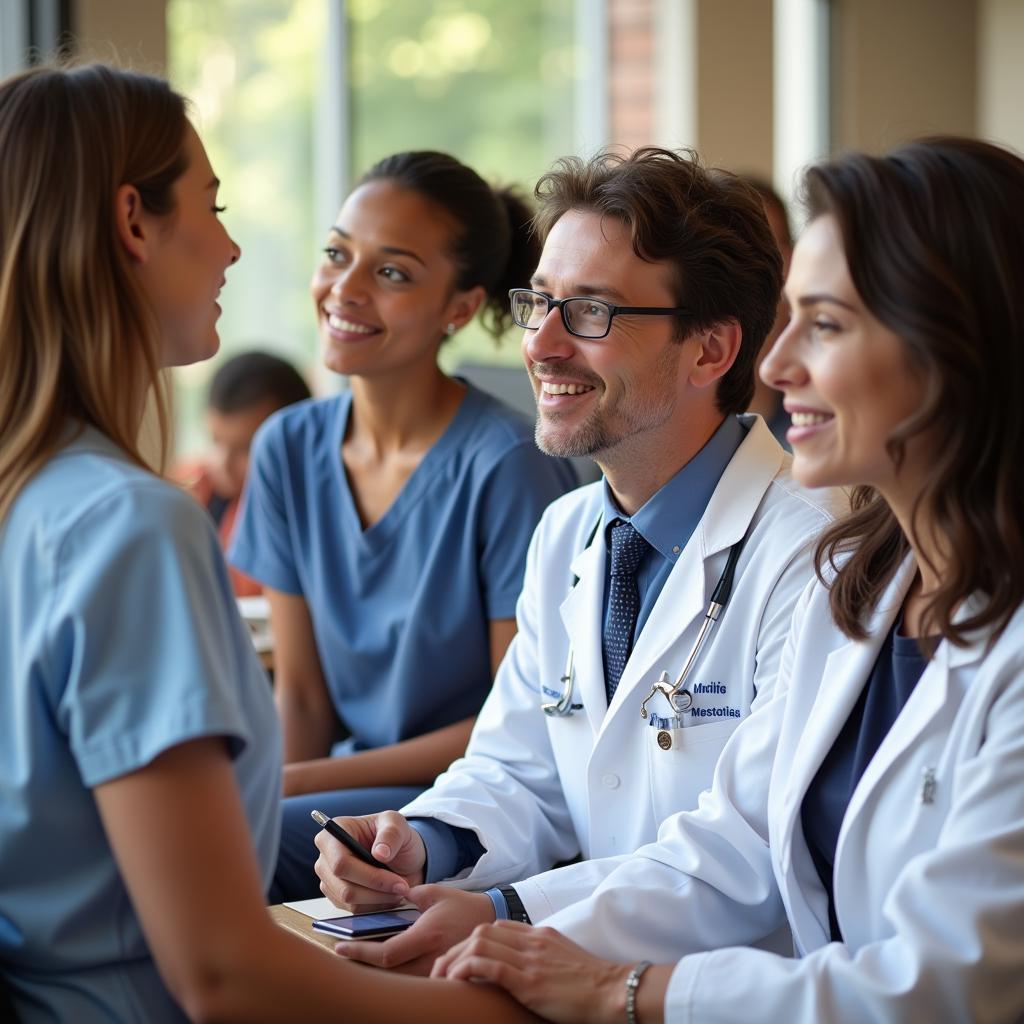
[
  {"x": 676, "y": 549},
  {"x": 610, "y": 781}
]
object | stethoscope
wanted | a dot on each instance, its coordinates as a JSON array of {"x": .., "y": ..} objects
[{"x": 679, "y": 698}]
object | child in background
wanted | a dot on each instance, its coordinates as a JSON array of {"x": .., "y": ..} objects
[{"x": 243, "y": 393}]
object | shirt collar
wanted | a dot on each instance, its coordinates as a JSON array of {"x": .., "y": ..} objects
[{"x": 668, "y": 518}]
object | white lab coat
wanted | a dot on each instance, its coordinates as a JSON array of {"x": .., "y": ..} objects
[
  {"x": 929, "y": 871},
  {"x": 538, "y": 790}
]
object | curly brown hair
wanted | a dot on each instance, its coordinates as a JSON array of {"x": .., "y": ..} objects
[{"x": 708, "y": 225}]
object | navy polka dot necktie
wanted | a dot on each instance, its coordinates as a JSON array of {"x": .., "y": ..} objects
[{"x": 628, "y": 548}]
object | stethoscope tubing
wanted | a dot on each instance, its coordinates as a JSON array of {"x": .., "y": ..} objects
[{"x": 564, "y": 706}]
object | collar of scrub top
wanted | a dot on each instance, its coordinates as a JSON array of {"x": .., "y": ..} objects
[{"x": 668, "y": 518}]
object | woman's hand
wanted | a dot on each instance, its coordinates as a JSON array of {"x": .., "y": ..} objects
[{"x": 543, "y": 969}]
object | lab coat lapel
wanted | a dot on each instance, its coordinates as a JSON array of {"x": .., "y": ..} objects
[
  {"x": 845, "y": 672},
  {"x": 688, "y": 588},
  {"x": 581, "y": 616},
  {"x": 929, "y": 698}
]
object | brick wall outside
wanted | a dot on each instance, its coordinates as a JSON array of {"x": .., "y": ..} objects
[{"x": 631, "y": 73}]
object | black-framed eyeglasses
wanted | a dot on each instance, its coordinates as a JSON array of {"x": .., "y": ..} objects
[{"x": 582, "y": 316}]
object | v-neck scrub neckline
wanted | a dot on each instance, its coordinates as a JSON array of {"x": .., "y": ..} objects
[
  {"x": 414, "y": 488},
  {"x": 401, "y": 611}
]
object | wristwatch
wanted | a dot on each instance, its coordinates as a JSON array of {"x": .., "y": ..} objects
[{"x": 516, "y": 910}]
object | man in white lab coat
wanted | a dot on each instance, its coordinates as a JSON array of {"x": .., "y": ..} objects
[{"x": 658, "y": 283}]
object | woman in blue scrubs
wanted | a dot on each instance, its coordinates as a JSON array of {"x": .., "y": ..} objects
[
  {"x": 389, "y": 524},
  {"x": 139, "y": 747}
]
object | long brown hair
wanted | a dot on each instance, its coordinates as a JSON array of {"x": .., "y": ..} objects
[
  {"x": 934, "y": 238},
  {"x": 78, "y": 340}
]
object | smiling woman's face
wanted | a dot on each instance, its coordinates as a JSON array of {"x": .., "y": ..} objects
[
  {"x": 385, "y": 288},
  {"x": 846, "y": 377},
  {"x": 185, "y": 271}
]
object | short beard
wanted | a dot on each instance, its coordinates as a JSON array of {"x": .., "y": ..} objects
[
  {"x": 596, "y": 436},
  {"x": 590, "y": 440}
]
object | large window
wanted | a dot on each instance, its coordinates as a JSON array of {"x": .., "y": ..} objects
[
  {"x": 488, "y": 80},
  {"x": 498, "y": 84},
  {"x": 249, "y": 68}
]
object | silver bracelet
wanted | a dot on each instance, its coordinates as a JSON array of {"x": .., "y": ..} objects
[{"x": 632, "y": 984}]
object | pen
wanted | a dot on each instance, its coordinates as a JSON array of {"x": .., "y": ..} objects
[{"x": 332, "y": 828}]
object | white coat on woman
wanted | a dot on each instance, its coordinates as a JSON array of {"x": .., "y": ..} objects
[
  {"x": 536, "y": 789},
  {"x": 929, "y": 869}
]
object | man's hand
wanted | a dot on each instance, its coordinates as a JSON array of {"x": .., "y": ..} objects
[
  {"x": 449, "y": 916},
  {"x": 350, "y": 883}
]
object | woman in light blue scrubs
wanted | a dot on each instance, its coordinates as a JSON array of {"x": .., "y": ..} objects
[
  {"x": 389, "y": 524},
  {"x": 139, "y": 748}
]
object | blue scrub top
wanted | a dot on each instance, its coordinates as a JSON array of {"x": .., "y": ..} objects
[
  {"x": 401, "y": 611},
  {"x": 119, "y": 638}
]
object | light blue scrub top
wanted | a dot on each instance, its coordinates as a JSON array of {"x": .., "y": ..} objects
[
  {"x": 401, "y": 612},
  {"x": 119, "y": 638}
]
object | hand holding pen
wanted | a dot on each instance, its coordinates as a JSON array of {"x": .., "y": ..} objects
[
  {"x": 353, "y": 877},
  {"x": 353, "y": 846}
]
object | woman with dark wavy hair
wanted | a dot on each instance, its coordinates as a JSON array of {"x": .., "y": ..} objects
[{"x": 877, "y": 804}]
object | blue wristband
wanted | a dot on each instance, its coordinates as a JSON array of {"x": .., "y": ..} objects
[{"x": 500, "y": 904}]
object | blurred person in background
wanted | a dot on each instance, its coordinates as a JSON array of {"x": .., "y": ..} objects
[
  {"x": 767, "y": 401},
  {"x": 244, "y": 391}
]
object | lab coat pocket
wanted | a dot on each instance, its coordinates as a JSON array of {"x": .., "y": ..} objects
[{"x": 681, "y": 764}]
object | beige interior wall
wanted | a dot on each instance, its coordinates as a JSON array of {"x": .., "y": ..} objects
[
  {"x": 127, "y": 32},
  {"x": 734, "y": 84},
  {"x": 1001, "y": 71},
  {"x": 903, "y": 68}
]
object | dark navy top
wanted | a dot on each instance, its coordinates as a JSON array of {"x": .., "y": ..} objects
[{"x": 899, "y": 666}]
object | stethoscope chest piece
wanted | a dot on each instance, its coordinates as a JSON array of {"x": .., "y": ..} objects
[
  {"x": 678, "y": 697},
  {"x": 682, "y": 701}
]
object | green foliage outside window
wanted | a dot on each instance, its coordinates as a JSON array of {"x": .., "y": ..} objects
[{"x": 490, "y": 81}]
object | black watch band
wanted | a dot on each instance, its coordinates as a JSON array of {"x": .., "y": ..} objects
[{"x": 516, "y": 910}]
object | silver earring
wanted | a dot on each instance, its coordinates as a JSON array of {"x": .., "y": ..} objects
[{"x": 450, "y": 330}]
